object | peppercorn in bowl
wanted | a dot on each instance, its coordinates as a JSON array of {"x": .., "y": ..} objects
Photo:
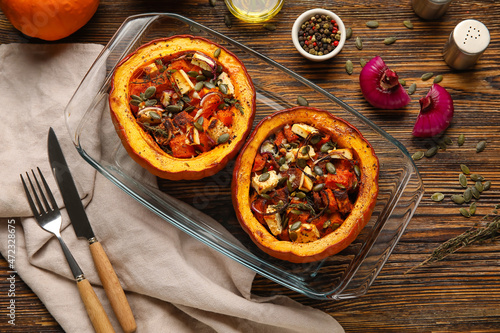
[{"x": 318, "y": 34}]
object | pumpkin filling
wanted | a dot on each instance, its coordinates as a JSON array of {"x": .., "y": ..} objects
[
  {"x": 303, "y": 185},
  {"x": 185, "y": 101}
]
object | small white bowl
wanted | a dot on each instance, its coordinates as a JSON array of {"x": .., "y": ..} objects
[{"x": 303, "y": 18}]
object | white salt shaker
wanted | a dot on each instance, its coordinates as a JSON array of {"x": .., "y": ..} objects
[
  {"x": 430, "y": 9},
  {"x": 466, "y": 44}
]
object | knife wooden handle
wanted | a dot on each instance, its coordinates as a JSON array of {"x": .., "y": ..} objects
[
  {"x": 113, "y": 288},
  {"x": 94, "y": 308}
]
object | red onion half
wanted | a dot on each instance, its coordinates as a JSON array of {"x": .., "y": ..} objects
[
  {"x": 436, "y": 112},
  {"x": 380, "y": 86}
]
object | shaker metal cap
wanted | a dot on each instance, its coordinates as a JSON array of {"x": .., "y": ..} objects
[
  {"x": 466, "y": 44},
  {"x": 471, "y": 36}
]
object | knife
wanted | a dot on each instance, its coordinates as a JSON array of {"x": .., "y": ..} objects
[{"x": 82, "y": 227}]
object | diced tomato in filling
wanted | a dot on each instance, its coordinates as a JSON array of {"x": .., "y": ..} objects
[
  {"x": 226, "y": 116},
  {"x": 343, "y": 180},
  {"x": 260, "y": 162},
  {"x": 324, "y": 140},
  {"x": 211, "y": 104},
  {"x": 290, "y": 136},
  {"x": 180, "y": 64},
  {"x": 206, "y": 143},
  {"x": 280, "y": 138},
  {"x": 180, "y": 147}
]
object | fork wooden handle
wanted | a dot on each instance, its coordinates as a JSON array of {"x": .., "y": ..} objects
[
  {"x": 113, "y": 288},
  {"x": 94, "y": 308}
]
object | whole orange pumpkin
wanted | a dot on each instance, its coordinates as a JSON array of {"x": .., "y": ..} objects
[{"x": 49, "y": 19}]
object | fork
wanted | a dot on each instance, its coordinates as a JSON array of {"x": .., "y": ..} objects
[{"x": 49, "y": 218}]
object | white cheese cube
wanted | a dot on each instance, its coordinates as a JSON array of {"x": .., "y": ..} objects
[
  {"x": 273, "y": 221},
  {"x": 303, "y": 130},
  {"x": 151, "y": 70},
  {"x": 266, "y": 186},
  {"x": 224, "y": 79},
  {"x": 306, "y": 233},
  {"x": 182, "y": 81},
  {"x": 306, "y": 183},
  {"x": 341, "y": 153}
]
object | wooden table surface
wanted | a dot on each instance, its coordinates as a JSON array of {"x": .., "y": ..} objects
[{"x": 459, "y": 294}]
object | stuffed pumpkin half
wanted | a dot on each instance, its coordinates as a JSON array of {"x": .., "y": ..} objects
[
  {"x": 182, "y": 106},
  {"x": 305, "y": 184}
]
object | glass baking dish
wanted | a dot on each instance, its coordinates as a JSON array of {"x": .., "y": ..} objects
[{"x": 203, "y": 208}]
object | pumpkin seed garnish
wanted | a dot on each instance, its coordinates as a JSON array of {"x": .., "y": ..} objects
[
  {"x": 209, "y": 84},
  {"x": 327, "y": 224},
  {"x": 326, "y": 147},
  {"x": 348, "y": 33},
  {"x": 412, "y": 89},
  {"x": 192, "y": 73},
  {"x": 480, "y": 146},
  {"x": 198, "y": 86},
  {"x": 472, "y": 208},
  {"x": 150, "y": 91},
  {"x": 174, "y": 108},
  {"x": 223, "y": 138},
  {"x": 475, "y": 192},
  {"x": 479, "y": 186},
  {"x": 468, "y": 195},
  {"x": 461, "y": 139},
  {"x": 402, "y": 82},
  {"x": 389, "y": 40},
  {"x": 151, "y": 102},
  {"x": 431, "y": 151},
  {"x": 265, "y": 176},
  {"x": 372, "y": 24},
  {"x": 269, "y": 26},
  {"x": 318, "y": 170},
  {"x": 437, "y": 196},
  {"x": 200, "y": 77},
  {"x": 318, "y": 187},
  {"x": 463, "y": 180},
  {"x": 359, "y": 43},
  {"x": 408, "y": 24},
  {"x": 438, "y": 78},
  {"x": 447, "y": 140},
  {"x": 362, "y": 62},
  {"x": 331, "y": 168},
  {"x": 357, "y": 171},
  {"x": 300, "y": 195},
  {"x": 297, "y": 224},
  {"x": 465, "y": 169},
  {"x": 223, "y": 88},
  {"x": 227, "y": 21},
  {"x": 464, "y": 212},
  {"x": 265, "y": 196},
  {"x": 302, "y": 163},
  {"x": 475, "y": 177},
  {"x": 458, "y": 199},
  {"x": 427, "y": 76},
  {"x": 486, "y": 185},
  {"x": 302, "y": 101},
  {"x": 417, "y": 155},
  {"x": 349, "y": 67}
]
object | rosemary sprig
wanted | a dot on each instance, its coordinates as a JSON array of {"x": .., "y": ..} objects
[{"x": 488, "y": 232}]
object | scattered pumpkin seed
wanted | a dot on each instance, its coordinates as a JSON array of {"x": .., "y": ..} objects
[
  {"x": 318, "y": 187},
  {"x": 331, "y": 168},
  {"x": 438, "y": 78},
  {"x": 372, "y": 24},
  {"x": 223, "y": 88},
  {"x": 209, "y": 84},
  {"x": 326, "y": 147},
  {"x": 427, "y": 76},
  {"x": 463, "y": 180},
  {"x": 200, "y": 77},
  {"x": 135, "y": 102},
  {"x": 318, "y": 170},
  {"x": 265, "y": 176},
  {"x": 408, "y": 24},
  {"x": 192, "y": 73},
  {"x": 199, "y": 124},
  {"x": 150, "y": 92},
  {"x": 465, "y": 169},
  {"x": 300, "y": 195},
  {"x": 349, "y": 67},
  {"x": 480, "y": 146},
  {"x": 417, "y": 155},
  {"x": 297, "y": 224},
  {"x": 467, "y": 195},
  {"x": 389, "y": 40},
  {"x": 362, "y": 62},
  {"x": 357, "y": 171},
  {"x": 315, "y": 139},
  {"x": 302, "y": 163},
  {"x": 151, "y": 102},
  {"x": 265, "y": 196},
  {"x": 461, "y": 139},
  {"x": 437, "y": 196},
  {"x": 447, "y": 140},
  {"x": 475, "y": 192},
  {"x": 305, "y": 150},
  {"x": 293, "y": 236},
  {"x": 223, "y": 138},
  {"x": 269, "y": 26},
  {"x": 359, "y": 43},
  {"x": 475, "y": 177},
  {"x": 472, "y": 208},
  {"x": 402, "y": 82},
  {"x": 412, "y": 89},
  {"x": 302, "y": 101},
  {"x": 348, "y": 33},
  {"x": 198, "y": 86},
  {"x": 479, "y": 186},
  {"x": 486, "y": 185},
  {"x": 431, "y": 151},
  {"x": 327, "y": 224},
  {"x": 227, "y": 21},
  {"x": 174, "y": 108},
  {"x": 289, "y": 185},
  {"x": 464, "y": 212},
  {"x": 458, "y": 199}
]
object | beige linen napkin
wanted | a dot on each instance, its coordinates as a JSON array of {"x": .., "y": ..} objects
[{"x": 173, "y": 282}]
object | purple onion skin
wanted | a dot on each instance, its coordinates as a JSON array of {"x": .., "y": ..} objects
[
  {"x": 436, "y": 112},
  {"x": 385, "y": 97}
]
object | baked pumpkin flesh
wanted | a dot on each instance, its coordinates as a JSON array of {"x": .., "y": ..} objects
[
  {"x": 182, "y": 106},
  {"x": 303, "y": 185}
]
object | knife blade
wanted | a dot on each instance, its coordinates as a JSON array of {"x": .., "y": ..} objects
[{"x": 81, "y": 224}]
